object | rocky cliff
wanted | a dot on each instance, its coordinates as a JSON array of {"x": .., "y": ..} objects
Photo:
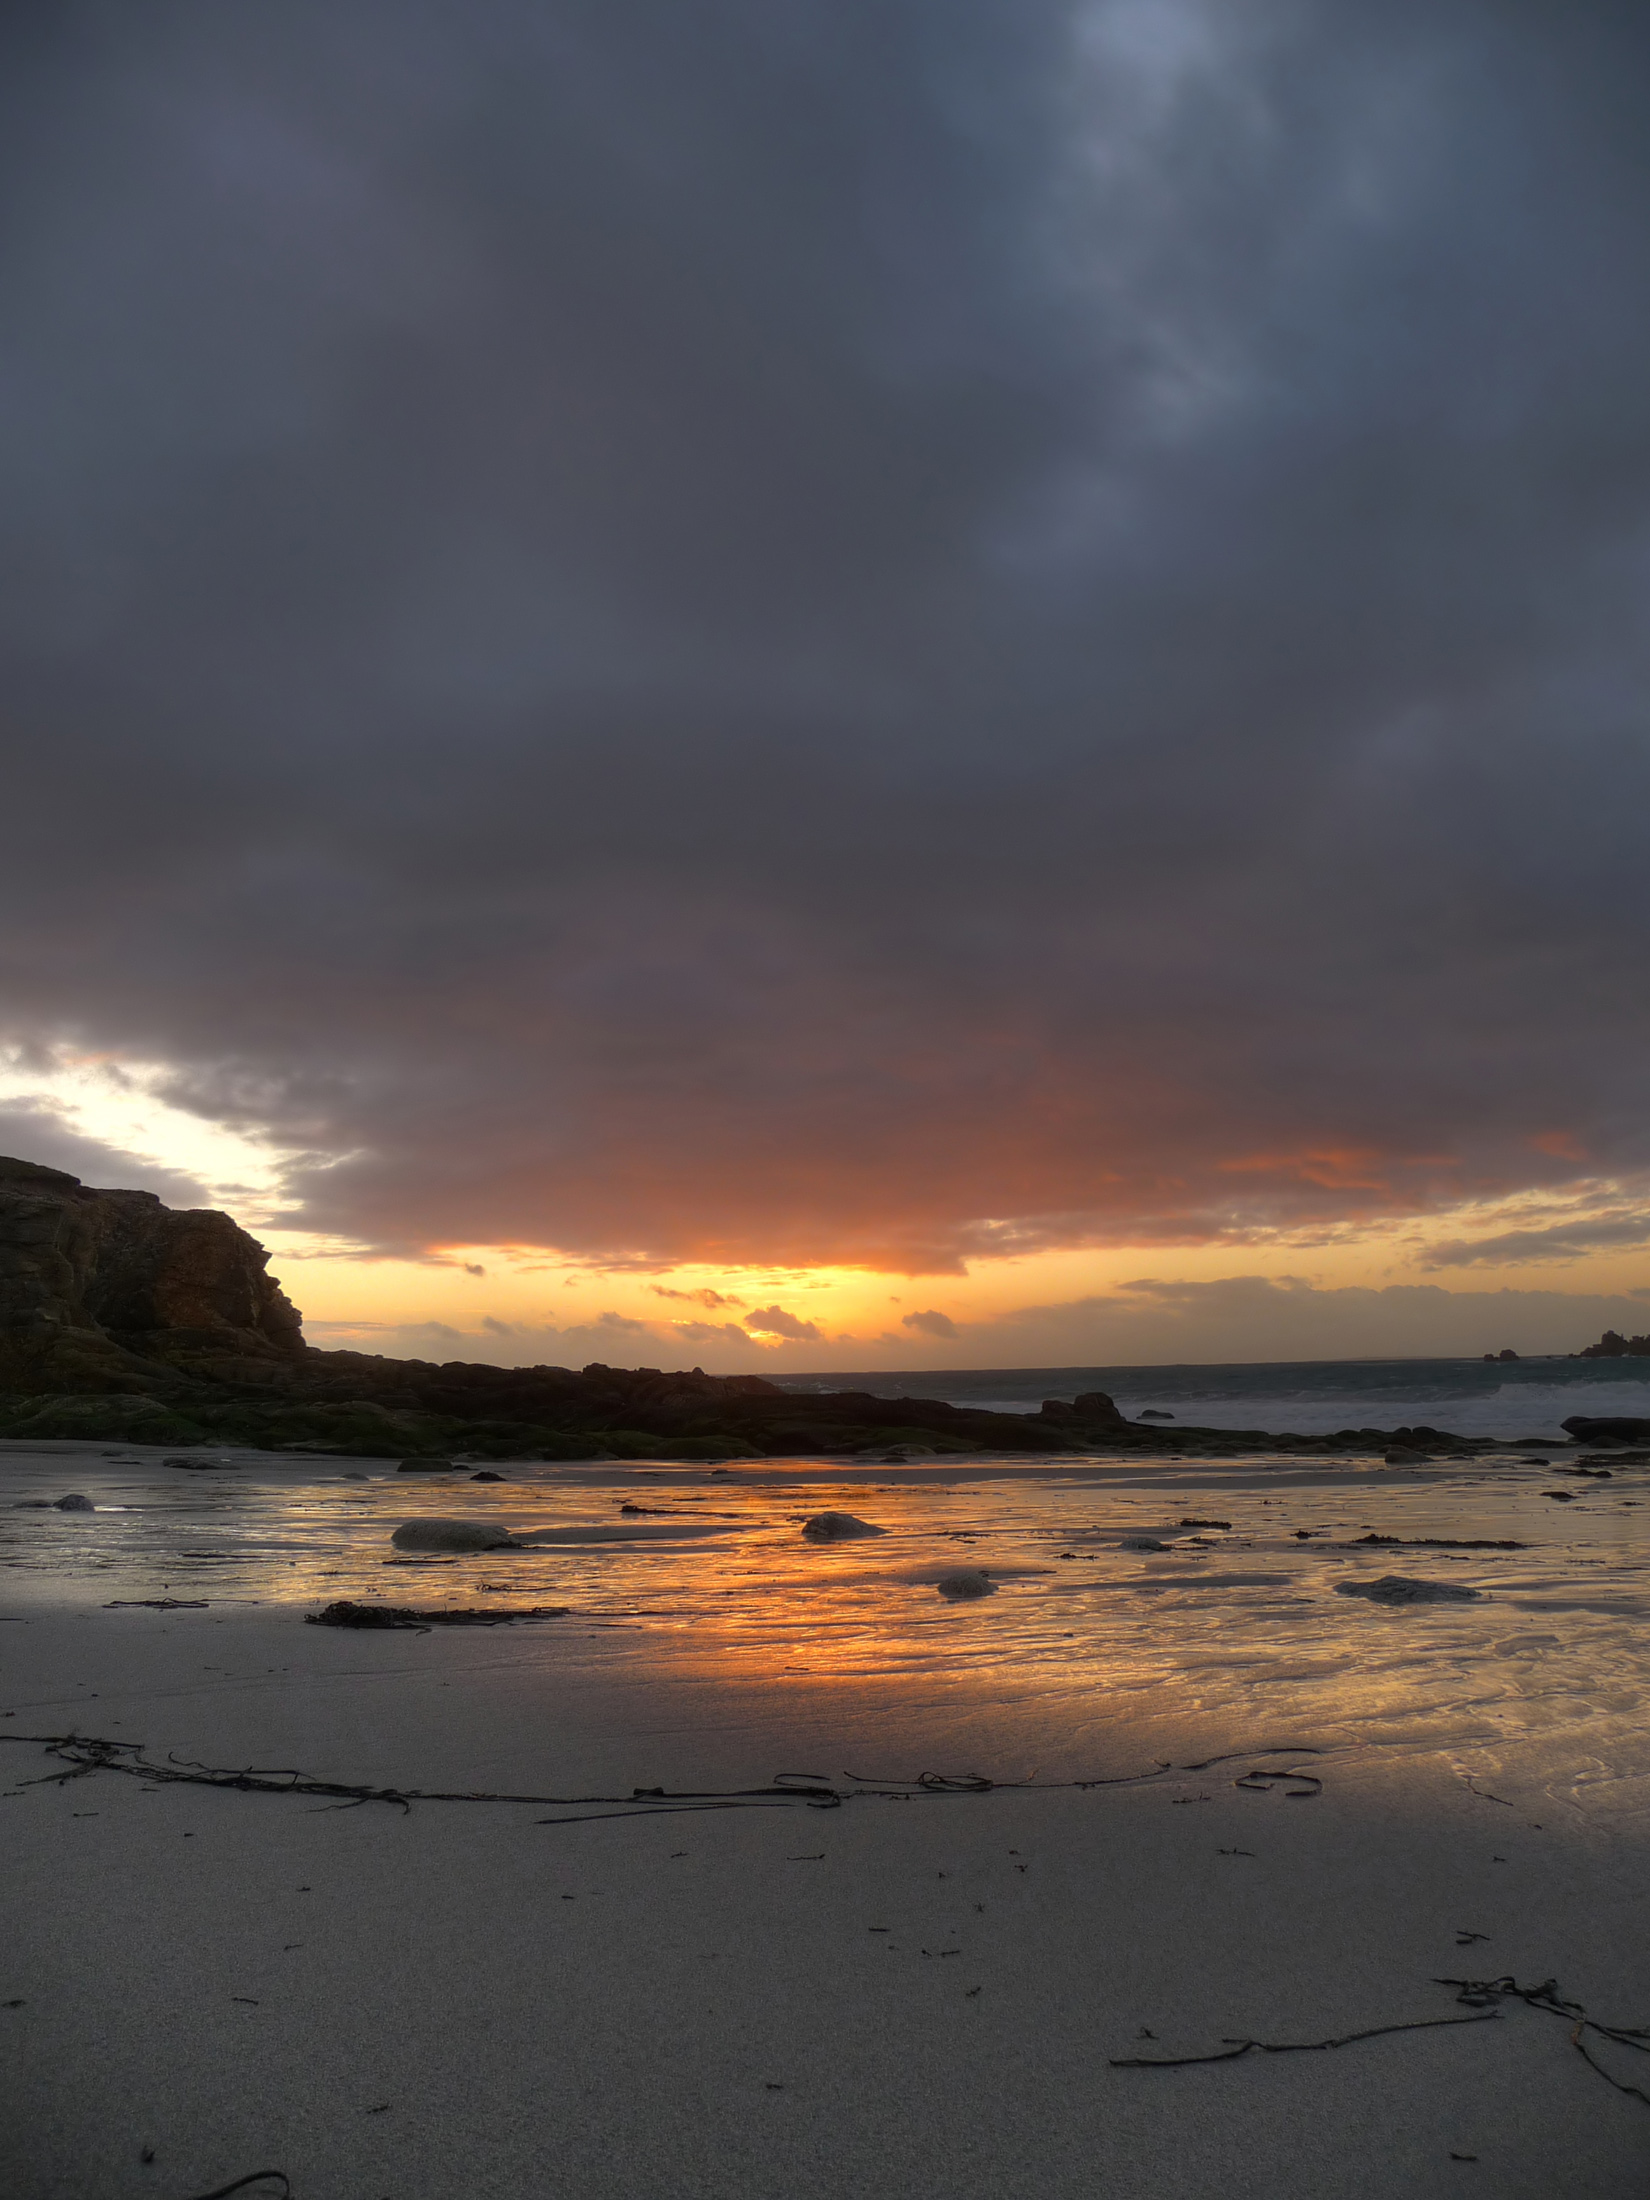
[{"x": 111, "y": 1291}]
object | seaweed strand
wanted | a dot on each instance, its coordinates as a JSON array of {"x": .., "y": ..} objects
[{"x": 1234, "y": 2049}]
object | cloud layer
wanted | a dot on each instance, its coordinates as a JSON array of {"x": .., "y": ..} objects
[{"x": 858, "y": 633}]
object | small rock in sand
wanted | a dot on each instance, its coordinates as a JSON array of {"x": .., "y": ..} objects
[
  {"x": 1141, "y": 1543},
  {"x": 970, "y": 1582},
  {"x": 452, "y": 1535},
  {"x": 1400, "y": 1589},
  {"x": 837, "y": 1528},
  {"x": 486, "y": 1475},
  {"x": 1401, "y": 1456},
  {"x": 74, "y": 1503}
]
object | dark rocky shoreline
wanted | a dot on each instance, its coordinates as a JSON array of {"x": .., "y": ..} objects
[
  {"x": 124, "y": 1321},
  {"x": 347, "y": 1403}
]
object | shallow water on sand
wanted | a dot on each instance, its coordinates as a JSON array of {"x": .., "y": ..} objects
[{"x": 1236, "y": 1628}]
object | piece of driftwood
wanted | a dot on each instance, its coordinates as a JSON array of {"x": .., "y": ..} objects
[
  {"x": 347, "y": 1614},
  {"x": 158, "y": 1604},
  {"x": 1433, "y": 1543}
]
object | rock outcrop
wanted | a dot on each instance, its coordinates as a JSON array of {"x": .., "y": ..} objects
[
  {"x": 1614, "y": 1346},
  {"x": 112, "y": 1291},
  {"x": 122, "y": 1320},
  {"x": 1609, "y": 1428}
]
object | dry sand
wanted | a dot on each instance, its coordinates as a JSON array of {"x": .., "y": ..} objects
[{"x": 461, "y": 2000}]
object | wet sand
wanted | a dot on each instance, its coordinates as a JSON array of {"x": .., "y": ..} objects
[{"x": 910, "y": 1992}]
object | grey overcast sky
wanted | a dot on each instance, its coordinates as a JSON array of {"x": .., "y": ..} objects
[{"x": 836, "y": 633}]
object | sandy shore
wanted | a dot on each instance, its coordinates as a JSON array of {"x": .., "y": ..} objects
[
  {"x": 909, "y": 1994},
  {"x": 463, "y": 2000}
]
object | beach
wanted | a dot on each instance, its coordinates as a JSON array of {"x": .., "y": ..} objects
[
  {"x": 824, "y": 1214},
  {"x": 1256, "y": 1808}
]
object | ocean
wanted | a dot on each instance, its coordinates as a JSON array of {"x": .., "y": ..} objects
[{"x": 1510, "y": 1398}]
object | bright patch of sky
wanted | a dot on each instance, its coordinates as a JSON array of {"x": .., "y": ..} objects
[{"x": 120, "y": 1105}]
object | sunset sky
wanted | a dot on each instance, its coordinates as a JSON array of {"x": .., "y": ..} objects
[{"x": 839, "y": 685}]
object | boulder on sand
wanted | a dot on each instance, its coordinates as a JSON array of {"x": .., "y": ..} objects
[
  {"x": 837, "y": 1528},
  {"x": 969, "y": 1581},
  {"x": 453, "y": 1535},
  {"x": 1400, "y": 1589}
]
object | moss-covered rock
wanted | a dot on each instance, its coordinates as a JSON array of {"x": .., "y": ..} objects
[{"x": 103, "y": 1419}]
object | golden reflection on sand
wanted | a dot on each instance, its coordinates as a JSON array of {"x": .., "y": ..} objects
[{"x": 1237, "y": 1618}]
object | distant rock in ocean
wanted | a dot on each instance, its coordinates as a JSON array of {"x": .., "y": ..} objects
[{"x": 1614, "y": 1346}]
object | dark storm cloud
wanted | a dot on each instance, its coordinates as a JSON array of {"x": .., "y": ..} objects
[{"x": 848, "y": 632}]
